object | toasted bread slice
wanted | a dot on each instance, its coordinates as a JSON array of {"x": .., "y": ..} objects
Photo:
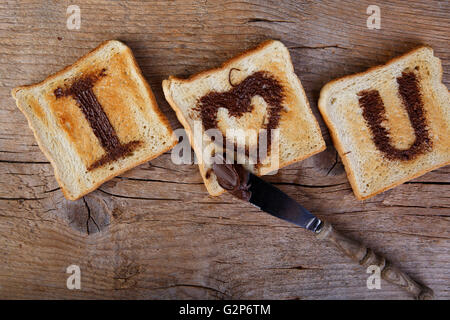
[
  {"x": 269, "y": 63},
  {"x": 95, "y": 119},
  {"x": 391, "y": 123}
]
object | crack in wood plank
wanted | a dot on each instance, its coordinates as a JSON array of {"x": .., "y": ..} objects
[
  {"x": 24, "y": 162},
  {"x": 255, "y": 20},
  {"x": 197, "y": 286},
  {"x": 89, "y": 217},
  {"x": 158, "y": 180},
  {"x": 137, "y": 198}
]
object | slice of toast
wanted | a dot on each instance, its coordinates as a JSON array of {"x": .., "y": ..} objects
[
  {"x": 262, "y": 81},
  {"x": 391, "y": 123},
  {"x": 95, "y": 119}
]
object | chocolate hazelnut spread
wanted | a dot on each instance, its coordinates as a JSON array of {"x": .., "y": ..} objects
[
  {"x": 374, "y": 113},
  {"x": 81, "y": 91},
  {"x": 233, "y": 178},
  {"x": 238, "y": 100}
]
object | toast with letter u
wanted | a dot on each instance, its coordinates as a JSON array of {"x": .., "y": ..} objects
[{"x": 391, "y": 123}]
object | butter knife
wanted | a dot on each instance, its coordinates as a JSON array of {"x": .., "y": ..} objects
[{"x": 249, "y": 187}]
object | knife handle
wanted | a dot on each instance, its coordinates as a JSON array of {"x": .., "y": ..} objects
[{"x": 366, "y": 257}]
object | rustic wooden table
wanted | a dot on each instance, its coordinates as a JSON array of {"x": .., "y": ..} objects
[{"x": 154, "y": 232}]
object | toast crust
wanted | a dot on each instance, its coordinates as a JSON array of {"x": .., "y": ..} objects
[
  {"x": 225, "y": 65},
  {"x": 78, "y": 63},
  {"x": 374, "y": 68},
  {"x": 333, "y": 130}
]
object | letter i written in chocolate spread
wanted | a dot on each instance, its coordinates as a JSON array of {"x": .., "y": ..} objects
[{"x": 81, "y": 91}]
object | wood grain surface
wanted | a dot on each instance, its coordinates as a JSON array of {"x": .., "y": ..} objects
[{"x": 154, "y": 232}]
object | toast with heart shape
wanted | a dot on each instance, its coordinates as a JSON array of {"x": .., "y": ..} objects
[{"x": 256, "y": 92}]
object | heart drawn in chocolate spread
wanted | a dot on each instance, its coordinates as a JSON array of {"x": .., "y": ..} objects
[{"x": 237, "y": 101}]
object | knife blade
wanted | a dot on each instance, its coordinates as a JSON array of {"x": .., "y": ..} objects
[
  {"x": 272, "y": 200},
  {"x": 249, "y": 187}
]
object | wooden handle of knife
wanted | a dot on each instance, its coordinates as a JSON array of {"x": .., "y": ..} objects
[{"x": 366, "y": 257}]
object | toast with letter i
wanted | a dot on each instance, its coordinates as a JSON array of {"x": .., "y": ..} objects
[{"x": 95, "y": 119}]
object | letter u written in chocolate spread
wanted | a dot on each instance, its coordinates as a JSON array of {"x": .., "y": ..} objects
[
  {"x": 81, "y": 91},
  {"x": 374, "y": 113}
]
